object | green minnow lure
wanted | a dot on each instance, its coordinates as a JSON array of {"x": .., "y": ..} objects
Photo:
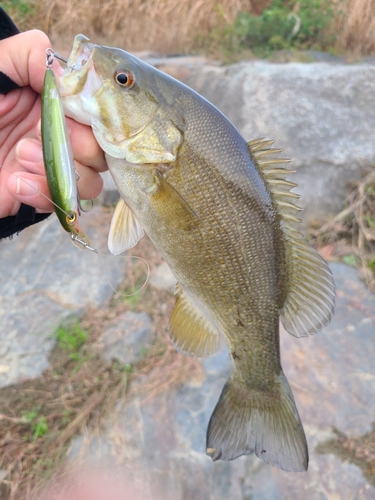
[{"x": 58, "y": 158}]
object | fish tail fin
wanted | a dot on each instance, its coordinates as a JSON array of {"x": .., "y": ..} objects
[{"x": 247, "y": 420}]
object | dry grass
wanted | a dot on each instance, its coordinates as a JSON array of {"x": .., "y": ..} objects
[
  {"x": 356, "y": 450},
  {"x": 169, "y": 26},
  {"x": 351, "y": 234},
  {"x": 355, "y": 23},
  {"x": 173, "y": 26}
]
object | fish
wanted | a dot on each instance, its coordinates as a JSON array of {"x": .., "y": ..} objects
[
  {"x": 221, "y": 212},
  {"x": 59, "y": 161}
]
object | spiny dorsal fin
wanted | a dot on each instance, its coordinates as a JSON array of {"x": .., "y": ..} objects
[
  {"x": 190, "y": 331},
  {"x": 311, "y": 291}
]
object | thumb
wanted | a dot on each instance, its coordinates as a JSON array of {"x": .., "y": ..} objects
[{"x": 23, "y": 58}]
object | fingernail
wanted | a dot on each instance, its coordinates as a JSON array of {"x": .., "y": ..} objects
[
  {"x": 30, "y": 150},
  {"x": 26, "y": 187}
]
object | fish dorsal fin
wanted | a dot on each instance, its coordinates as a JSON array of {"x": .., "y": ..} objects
[
  {"x": 125, "y": 230},
  {"x": 190, "y": 331},
  {"x": 310, "y": 297}
]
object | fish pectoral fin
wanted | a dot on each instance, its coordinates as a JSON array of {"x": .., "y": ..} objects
[
  {"x": 156, "y": 143},
  {"x": 246, "y": 420},
  {"x": 167, "y": 199},
  {"x": 125, "y": 230},
  {"x": 192, "y": 333}
]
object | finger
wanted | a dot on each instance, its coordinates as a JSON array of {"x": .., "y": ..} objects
[
  {"x": 30, "y": 189},
  {"x": 29, "y": 155},
  {"x": 85, "y": 147},
  {"x": 90, "y": 182},
  {"x": 23, "y": 58}
]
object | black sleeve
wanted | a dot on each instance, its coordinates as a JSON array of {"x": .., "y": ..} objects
[{"x": 26, "y": 215}]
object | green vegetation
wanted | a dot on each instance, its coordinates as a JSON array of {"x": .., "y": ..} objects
[
  {"x": 71, "y": 338},
  {"x": 132, "y": 294},
  {"x": 350, "y": 260},
  {"x": 285, "y": 24},
  {"x": 226, "y": 29},
  {"x": 18, "y": 9},
  {"x": 38, "y": 423}
]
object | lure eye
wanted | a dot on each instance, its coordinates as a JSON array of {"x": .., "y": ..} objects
[
  {"x": 71, "y": 218},
  {"x": 125, "y": 78}
]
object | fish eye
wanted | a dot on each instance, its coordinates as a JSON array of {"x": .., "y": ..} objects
[{"x": 125, "y": 78}]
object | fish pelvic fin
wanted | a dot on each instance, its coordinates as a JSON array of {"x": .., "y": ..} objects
[
  {"x": 248, "y": 420},
  {"x": 310, "y": 299},
  {"x": 190, "y": 330},
  {"x": 125, "y": 230}
]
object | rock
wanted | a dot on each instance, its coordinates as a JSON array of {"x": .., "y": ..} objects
[
  {"x": 162, "y": 278},
  {"x": 45, "y": 280},
  {"x": 161, "y": 442},
  {"x": 321, "y": 114},
  {"x": 127, "y": 339}
]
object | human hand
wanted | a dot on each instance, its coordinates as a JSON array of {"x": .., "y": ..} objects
[{"x": 23, "y": 59}]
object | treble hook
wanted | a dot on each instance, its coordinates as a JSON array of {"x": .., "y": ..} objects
[
  {"x": 81, "y": 209},
  {"x": 86, "y": 209}
]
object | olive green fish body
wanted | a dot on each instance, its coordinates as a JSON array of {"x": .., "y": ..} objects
[
  {"x": 221, "y": 212},
  {"x": 225, "y": 278}
]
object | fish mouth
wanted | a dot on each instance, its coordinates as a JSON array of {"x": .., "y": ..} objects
[
  {"x": 77, "y": 71},
  {"x": 80, "y": 55}
]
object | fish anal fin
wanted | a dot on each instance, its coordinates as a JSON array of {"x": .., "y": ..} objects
[
  {"x": 125, "y": 230},
  {"x": 190, "y": 331},
  {"x": 247, "y": 420},
  {"x": 310, "y": 297}
]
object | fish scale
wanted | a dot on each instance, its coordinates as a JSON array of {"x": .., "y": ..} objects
[{"x": 221, "y": 212}]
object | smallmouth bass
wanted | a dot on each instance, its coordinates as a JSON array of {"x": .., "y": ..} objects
[{"x": 221, "y": 212}]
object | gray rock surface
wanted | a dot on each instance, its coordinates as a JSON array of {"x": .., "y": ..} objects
[
  {"x": 127, "y": 338},
  {"x": 162, "y": 441},
  {"x": 44, "y": 280},
  {"x": 163, "y": 278},
  {"x": 321, "y": 114}
]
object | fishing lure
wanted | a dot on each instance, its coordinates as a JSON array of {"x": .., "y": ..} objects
[
  {"x": 58, "y": 158},
  {"x": 59, "y": 166}
]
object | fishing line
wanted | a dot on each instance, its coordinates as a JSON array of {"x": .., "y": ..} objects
[{"x": 84, "y": 246}]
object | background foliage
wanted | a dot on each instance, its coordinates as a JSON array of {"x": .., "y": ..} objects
[{"x": 231, "y": 27}]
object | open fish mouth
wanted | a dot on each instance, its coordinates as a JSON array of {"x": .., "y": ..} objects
[
  {"x": 80, "y": 80},
  {"x": 79, "y": 71},
  {"x": 81, "y": 53}
]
